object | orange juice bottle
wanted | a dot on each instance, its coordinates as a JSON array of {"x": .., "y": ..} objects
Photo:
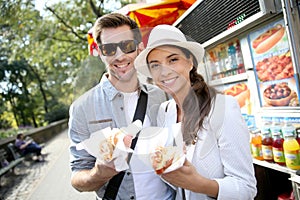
[{"x": 256, "y": 145}]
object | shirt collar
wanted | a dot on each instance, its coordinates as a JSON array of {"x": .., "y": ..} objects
[{"x": 112, "y": 92}]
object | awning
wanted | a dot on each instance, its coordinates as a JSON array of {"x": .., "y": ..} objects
[{"x": 148, "y": 15}]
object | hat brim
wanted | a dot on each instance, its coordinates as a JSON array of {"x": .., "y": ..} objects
[{"x": 140, "y": 62}]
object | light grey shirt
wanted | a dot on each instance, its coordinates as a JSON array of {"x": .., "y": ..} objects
[{"x": 101, "y": 107}]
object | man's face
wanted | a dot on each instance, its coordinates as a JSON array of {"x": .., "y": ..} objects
[{"x": 120, "y": 65}]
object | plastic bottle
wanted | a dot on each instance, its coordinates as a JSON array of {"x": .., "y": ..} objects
[
  {"x": 275, "y": 126},
  {"x": 266, "y": 125},
  {"x": 267, "y": 144},
  {"x": 239, "y": 55},
  {"x": 256, "y": 145},
  {"x": 291, "y": 152},
  {"x": 231, "y": 52},
  {"x": 288, "y": 128},
  {"x": 277, "y": 148},
  {"x": 222, "y": 59},
  {"x": 290, "y": 146}
]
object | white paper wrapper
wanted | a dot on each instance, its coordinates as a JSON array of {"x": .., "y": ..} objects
[
  {"x": 152, "y": 138},
  {"x": 173, "y": 156},
  {"x": 107, "y": 145}
]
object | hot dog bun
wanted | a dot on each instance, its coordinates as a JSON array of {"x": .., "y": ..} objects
[
  {"x": 108, "y": 146},
  {"x": 240, "y": 91},
  {"x": 162, "y": 158},
  {"x": 268, "y": 39}
]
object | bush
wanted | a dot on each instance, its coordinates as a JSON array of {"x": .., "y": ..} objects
[{"x": 57, "y": 113}]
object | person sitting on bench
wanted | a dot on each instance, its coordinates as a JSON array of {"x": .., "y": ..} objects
[{"x": 28, "y": 145}]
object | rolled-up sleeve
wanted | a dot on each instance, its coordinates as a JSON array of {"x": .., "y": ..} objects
[{"x": 78, "y": 131}]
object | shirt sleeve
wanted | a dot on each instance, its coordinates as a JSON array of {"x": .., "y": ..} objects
[
  {"x": 239, "y": 181},
  {"x": 78, "y": 131}
]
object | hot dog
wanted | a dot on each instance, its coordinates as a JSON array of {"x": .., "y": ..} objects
[
  {"x": 240, "y": 91},
  {"x": 162, "y": 158},
  {"x": 268, "y": 39},
  {"x": 108, "y": 145}
]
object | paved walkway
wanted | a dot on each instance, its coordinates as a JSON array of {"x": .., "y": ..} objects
[{"x": 49, "y": 180}]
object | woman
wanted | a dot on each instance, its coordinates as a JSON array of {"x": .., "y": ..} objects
[
  {"x": 219, "y": 163},
  {"x": 27, "y": 146}
]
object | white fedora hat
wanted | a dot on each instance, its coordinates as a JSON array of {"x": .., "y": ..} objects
[{"x": 166, "y": 35}]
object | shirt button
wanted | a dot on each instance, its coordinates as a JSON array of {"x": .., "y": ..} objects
[
  {"x": 122, "y": 108},
  {"x": 131, "y": 197},
  {"x": 128, "y": 173},
  {"x": 119, "y": 95}
]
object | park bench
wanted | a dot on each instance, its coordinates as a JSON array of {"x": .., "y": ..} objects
[
  {"x": 15, "y": 152},
  {"x": 6, "y": 164}
]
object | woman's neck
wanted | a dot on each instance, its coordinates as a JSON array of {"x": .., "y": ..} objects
[{"x": 179, "y": 99}]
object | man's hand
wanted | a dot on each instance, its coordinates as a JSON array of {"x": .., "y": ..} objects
[
  {"x": 105, "y": 171},
  {"x": 92, "y": 180}
]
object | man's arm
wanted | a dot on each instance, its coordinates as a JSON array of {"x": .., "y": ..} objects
[{"x": 93, "y": 179}]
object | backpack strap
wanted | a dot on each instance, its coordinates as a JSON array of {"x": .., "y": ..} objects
[{"x": 115, "y": 182}]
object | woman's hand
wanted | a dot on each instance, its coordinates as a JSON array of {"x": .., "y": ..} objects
[
  {"x": 183, "y": 177},
  {"x": 188, "y": 178}
]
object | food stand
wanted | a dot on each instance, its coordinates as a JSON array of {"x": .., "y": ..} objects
[{"x": 252, "y": 53}]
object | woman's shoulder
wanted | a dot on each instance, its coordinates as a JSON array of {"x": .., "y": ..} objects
[
  {"x": 167, "y": 105},
  {"x": 225, "y": 101}
]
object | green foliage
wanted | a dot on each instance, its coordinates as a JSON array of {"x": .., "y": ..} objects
[
  {"x": 58, "y": 112},
  {"x": 88, "y": 76},
  {"x": 8, "y": 133},
  {"x": 44, "y": 59}
]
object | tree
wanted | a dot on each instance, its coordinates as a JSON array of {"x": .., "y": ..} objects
[{"x": 51, "y": 49}]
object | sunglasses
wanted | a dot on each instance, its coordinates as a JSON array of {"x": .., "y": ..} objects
[{"x": 110, "y": 49}]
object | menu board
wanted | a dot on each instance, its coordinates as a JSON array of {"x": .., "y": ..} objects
[
  {"x": 241, "y": 92},
  {"x": 276, "y": 80}
]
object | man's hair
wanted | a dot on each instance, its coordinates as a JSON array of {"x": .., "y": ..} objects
[{"x": 115, "y": 20}]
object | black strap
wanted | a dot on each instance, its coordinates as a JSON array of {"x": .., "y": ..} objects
[{"x": 115, "y": 182}]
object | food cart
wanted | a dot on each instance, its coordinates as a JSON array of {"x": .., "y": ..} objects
[{"x": 252, "y": 53}]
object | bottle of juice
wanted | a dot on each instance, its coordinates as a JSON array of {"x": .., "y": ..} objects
[
  {"x": 239, "y": 56},
  {"x": 288, "y": 128},
  {"x": 290, "y": 146},
  {"x": 291, "y": 151},
  {"x": 232, "y": 64},
  {"x": 256, "y": 145},
  {"x": 275, "y": 126},
  {"x": 267, "y": 144},
  {"x": 277, "y": 148}
]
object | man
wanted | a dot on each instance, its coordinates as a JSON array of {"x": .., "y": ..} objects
[{"x": 112, "y": 103}]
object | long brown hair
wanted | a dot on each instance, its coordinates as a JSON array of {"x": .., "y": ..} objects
[{"x": 197, "y": 104}]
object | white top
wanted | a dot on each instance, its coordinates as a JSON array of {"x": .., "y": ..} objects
[
  {"x": 142, "y": 172},
  {"x": 222, "y": 151}
]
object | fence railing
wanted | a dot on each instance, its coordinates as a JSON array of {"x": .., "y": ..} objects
[{"x": 41, "y": 134}]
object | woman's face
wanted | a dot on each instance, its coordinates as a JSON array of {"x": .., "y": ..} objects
[{"x": 170, "y": 69}]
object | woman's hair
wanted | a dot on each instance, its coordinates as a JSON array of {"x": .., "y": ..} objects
[
  {"x": 19, "y": 135},
  {"x": 115, "y": 20},
  {"x": 197, "y": 104}
]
